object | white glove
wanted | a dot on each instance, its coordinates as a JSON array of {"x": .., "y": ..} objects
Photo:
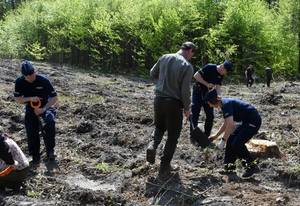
[{"x": 221, "y": 144}]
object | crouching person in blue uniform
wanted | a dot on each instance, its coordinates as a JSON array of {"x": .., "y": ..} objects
[
  {"x": 34, "y": 88},
  {"x": 235, "y": 110}
]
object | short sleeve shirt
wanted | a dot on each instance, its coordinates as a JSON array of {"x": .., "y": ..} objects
[
  {"x": 210, "y": 74},
  {"x": 240, "y": 110},
  {"x": 41, "y": 87}
]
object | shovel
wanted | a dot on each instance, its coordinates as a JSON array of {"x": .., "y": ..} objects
[{"x": 198, "y": 137}]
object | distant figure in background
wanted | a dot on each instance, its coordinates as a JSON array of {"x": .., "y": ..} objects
[
  {"x": 249, "y": 76},
  {"x": 12, "y": 155},
  {"x": 268, "y": 75},
  {"x": 173, "y": 73}
]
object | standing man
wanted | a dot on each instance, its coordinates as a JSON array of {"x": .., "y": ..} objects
[
  {"x": 211, "y": 75},
  {"x": 249, "y": 76},
  {"x": 235, "y": 110},
  {"x": 33, "y": 88},
  {"x": 269, "y": 75},
  {"x": 173, "y": 73}
]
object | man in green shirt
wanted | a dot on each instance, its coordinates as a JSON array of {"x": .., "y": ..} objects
[{"x": 173, "y": 73}]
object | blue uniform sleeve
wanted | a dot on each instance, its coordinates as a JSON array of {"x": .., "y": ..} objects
[
  {"x": 18, "y": 89},
  {"x": 50, "y": 90},
  {"x": 227, "y": 110}
]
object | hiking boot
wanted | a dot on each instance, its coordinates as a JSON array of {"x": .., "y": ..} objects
[
  {"x": 51, "y": 156},
  {"x": 250, "y": 170},
  {"x": 164, "y": 172},
  {"x": 150, "y": 154}
]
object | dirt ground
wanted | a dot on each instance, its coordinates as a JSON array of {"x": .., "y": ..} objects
[{"x": 104, "y": 125}]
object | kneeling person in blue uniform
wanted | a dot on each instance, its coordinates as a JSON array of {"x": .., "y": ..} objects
[
  {"x": 32, "y": 87},
  {"x": 235, "y": 110}
]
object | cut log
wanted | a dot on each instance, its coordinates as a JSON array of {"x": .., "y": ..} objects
[{"x": 263, "y": 148}]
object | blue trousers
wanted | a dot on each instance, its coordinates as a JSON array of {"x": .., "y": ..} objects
[
  {"x": 34, "y": 124},
  {"x": 197, "y": 103},
  {"x": 235, "y": 146}
]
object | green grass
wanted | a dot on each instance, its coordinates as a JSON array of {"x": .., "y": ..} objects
[
  {"x": 106, "y": 168},
  {"x": 34, "y": 194},
  {"x": 294, "y": 170},
  {"x": 91, "y": 98}
]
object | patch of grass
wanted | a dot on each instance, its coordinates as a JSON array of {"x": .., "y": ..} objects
[
  {"x": 95, "y": 98},
  {"x": 203, "y": 170},
  {"x": 91, "y": 98},
  {"x": 34, "y": 194},
  {"x": 106, "y": 168},
  {"x": 294, "y": 170}
]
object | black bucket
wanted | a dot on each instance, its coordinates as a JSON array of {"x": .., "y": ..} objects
[{"x": 198, "y": 137}]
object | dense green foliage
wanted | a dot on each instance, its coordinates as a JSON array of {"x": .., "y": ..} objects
[{"x": 129, "y": 36}]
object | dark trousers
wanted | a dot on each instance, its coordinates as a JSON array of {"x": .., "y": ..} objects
[
  {"x": 268, "y": 81},
  {"x": 235, "y": 146},
  {"x": 197, "y": 103},
  {"x": 15, "y": 178},
  {"x": 250, "y": 81},
  {"x": 167, "y": 117},
  {"x": 45, "y": 123}
]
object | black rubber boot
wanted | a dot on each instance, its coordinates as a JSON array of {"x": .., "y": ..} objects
[
  {"x": 250, "y": 169},
  {"x": 164, "y": 171}
]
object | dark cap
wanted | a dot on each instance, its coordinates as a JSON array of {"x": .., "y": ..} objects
[
  {"x": 228, "y": 66},
  {"x": 188, "y": 45},
  {"x": 211, "y": 96},
  {"x": 27, "y": 68}
]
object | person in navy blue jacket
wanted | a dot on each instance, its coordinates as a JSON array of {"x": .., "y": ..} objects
[
  {"x": 211, "y": 75},
  {"x": 235, "y": 110},
  {"x": 32, "y": 87}
]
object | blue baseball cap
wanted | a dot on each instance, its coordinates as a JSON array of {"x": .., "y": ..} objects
[
  {"x": 228, "y": 66},
  {"x": 27, "y": 68},
  {"x": 211, "y": 96}
]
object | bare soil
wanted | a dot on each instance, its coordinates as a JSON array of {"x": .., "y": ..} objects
[{"x": 104, "y": 125}]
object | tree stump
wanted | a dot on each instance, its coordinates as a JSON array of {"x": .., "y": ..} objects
[{"x": 263, "y": 148}]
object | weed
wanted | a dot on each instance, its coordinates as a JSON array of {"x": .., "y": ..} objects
[
  {"x": 34, "y": 194},
  {"x": 106, "y": 168}
]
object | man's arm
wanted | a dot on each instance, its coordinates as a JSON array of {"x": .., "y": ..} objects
[
  {"x": 220, "y": 131},
  {"x": 200, "y": 79},
  {"x": 229, "y": 127},
  {"x": 154, "y": 72},
  {"x": 186, "y": 90},
  {"x": 52, "y": 101},
  {"x": 24, "y": 100},
  {"x": 218, "y": 88}
]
